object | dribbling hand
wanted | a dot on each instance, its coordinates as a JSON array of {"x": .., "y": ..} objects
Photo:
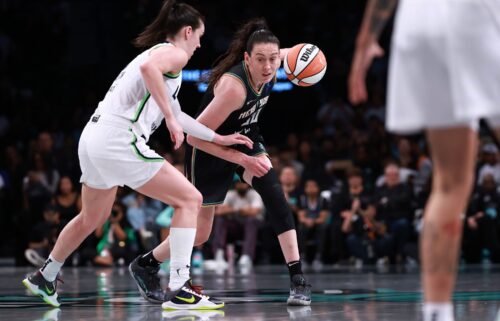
[
  {"x": 233, "y": 139},
  {"x": 176, "y": 132}
]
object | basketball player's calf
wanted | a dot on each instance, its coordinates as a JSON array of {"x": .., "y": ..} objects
[{"x": 282, "y": 222}]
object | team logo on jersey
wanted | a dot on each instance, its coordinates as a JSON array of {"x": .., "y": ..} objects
[{"x": 258, "y": 103}]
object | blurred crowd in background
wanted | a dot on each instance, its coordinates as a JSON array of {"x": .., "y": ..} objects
[{"x": 358, "y": 192}]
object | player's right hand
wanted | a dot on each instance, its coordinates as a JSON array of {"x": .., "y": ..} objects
[
  {"x": 256, "y": 166},
  {"x": 176, "y": 132}
]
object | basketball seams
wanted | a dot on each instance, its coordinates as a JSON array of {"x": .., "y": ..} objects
[
  {"x": 312, "y": 68},
  {"x": 301, "y": 65},
  {"x": 304, "y": 73},
  {"x": 294, "y": 52}
]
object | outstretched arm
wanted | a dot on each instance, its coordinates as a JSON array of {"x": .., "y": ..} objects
[{"x": 377, "y": 14}]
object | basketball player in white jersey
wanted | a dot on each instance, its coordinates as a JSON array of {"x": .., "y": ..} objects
[
  {"x": 444, "y": 75},
  {"x": 113, "y": 150},
  {"x": 238, "y": 90}
]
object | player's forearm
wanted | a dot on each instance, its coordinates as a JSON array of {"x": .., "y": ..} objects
[
  {"x": 153, "y": 79},
  {"x": 377, "y": 13},
  {"x": 226, "y": 153}
]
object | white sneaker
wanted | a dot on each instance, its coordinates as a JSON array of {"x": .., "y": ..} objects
[
  {"x": 358, "y": 264},
  {"x": 191, "y": 314},
  {"x": 189, "y": 297},
  {"x": 381, "y": 262},
  {"x": 220, "y": 261},
  {"x": 210, "y": 265},
  {"x": 245, "y": 261},
  {"x": 34, "y": 258},
  {"x": 317, "y": 265}
]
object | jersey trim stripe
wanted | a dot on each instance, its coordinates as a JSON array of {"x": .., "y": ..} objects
[
  {"x": 211, "y": 204},
  {"x": 172, "y": 75},
  {"x": 193, "y": 158},
  {"x": 139, "y": 110},
  {"x": 139, "y": 154}
]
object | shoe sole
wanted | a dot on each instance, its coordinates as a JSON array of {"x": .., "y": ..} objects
[
  {"x": 39, "y": 293},
  {"x": 298, "y": 302},
  {"x": 141, "y": 291},
  {"x": 175, "y": 307}
]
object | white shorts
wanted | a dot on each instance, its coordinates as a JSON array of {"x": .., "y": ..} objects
[
  {"x": 111, "y": 154},
  {"x": 445, "y": 65}
]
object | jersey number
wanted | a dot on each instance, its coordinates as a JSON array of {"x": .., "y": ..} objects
[{"x": 253, "y": 119}]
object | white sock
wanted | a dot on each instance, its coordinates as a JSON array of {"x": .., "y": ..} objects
[
  {"x": 50, "y": 269},
  {"x": 181, "y": 247},
  {"x": 438, "y": 312}
]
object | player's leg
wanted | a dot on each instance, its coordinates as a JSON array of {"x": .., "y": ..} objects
[
  {"x": 281, "y": 218},
  {"x": 171, "y": 187},
  {"x": 453, "y": 152},
  {"x": 144, "y": 268},
  {"x": 96, "y": 207}
]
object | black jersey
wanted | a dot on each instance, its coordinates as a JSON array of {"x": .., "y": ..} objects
[{"x": 244, "y": 120}]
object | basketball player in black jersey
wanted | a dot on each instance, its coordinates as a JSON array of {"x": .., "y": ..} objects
[{"x": 238, "y": 90}]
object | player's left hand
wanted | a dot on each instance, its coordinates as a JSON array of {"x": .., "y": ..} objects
[
  {"x": 363, "y": 57},
  {"x": 233, "y": 139}
]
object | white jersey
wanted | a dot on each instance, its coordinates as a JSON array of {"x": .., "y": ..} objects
[
  {"x": 129, "y": 98},
  {"x": 445, "y": 64}
]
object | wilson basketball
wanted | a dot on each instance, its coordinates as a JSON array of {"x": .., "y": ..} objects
[{"x": 304, "y": 64}]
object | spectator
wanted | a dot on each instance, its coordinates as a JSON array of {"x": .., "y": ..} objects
[
  {"x": 367, "y": 238},
  {"x": 141, "y": 213},
  {"x": 312, "y": 221},
  {"x": 44, "y": 236},
  {"x": 393, "y": 201},
  {"x": 117, "y": 242},
  {"x": 481, "y": 235},
  {"x": 289, "y": 182},
  {"x": 67, "y": 200},
  {"x": 491, "y": 165},
  {"x": 39, "y": 184},
  {"x": 242, "y": 211}
]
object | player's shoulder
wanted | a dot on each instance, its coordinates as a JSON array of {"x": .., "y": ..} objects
[{"x": 169, "y": 51}]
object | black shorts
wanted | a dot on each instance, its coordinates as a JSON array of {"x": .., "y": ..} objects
[{"x": 213, "y": 176}]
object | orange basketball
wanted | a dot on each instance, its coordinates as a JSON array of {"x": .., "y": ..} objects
[{"x": 304, "y": 64}]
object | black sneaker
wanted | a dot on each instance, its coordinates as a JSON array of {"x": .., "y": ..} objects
[
  {"x": 189, "y": 297},
  {"x": 300, "y": 291},
  {"x": 37, "y": 285},
  {"x": 148, "y": 281}
]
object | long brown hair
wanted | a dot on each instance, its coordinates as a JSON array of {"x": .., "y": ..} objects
[
  {"x": 253, "y": 32},
  {"x": 172, "y": 17}
]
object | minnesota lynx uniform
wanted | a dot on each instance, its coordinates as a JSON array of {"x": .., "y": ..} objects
[
  {"x": 211, "y": 175},
  {"x": 112, "y": 148},
  {"x": 445, "y": 64}
]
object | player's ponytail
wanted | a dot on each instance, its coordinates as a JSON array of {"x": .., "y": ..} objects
[
  {"x": 252, "y": 32},
  {"x": 172, "y": 17}
]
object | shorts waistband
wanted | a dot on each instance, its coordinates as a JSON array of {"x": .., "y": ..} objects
[{"x": 113, "y": 120}]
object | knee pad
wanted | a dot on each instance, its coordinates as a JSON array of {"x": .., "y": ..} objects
[{"x": 278, "y": 211}]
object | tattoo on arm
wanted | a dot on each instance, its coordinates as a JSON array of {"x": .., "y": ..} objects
[{"x": 381, "y": 12}]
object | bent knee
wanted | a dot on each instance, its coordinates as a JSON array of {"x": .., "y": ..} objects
[
  {"x": 191, "y": 200},
  {"x": 201, "y": 237},
  {"x": 454, "y": 184}
]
